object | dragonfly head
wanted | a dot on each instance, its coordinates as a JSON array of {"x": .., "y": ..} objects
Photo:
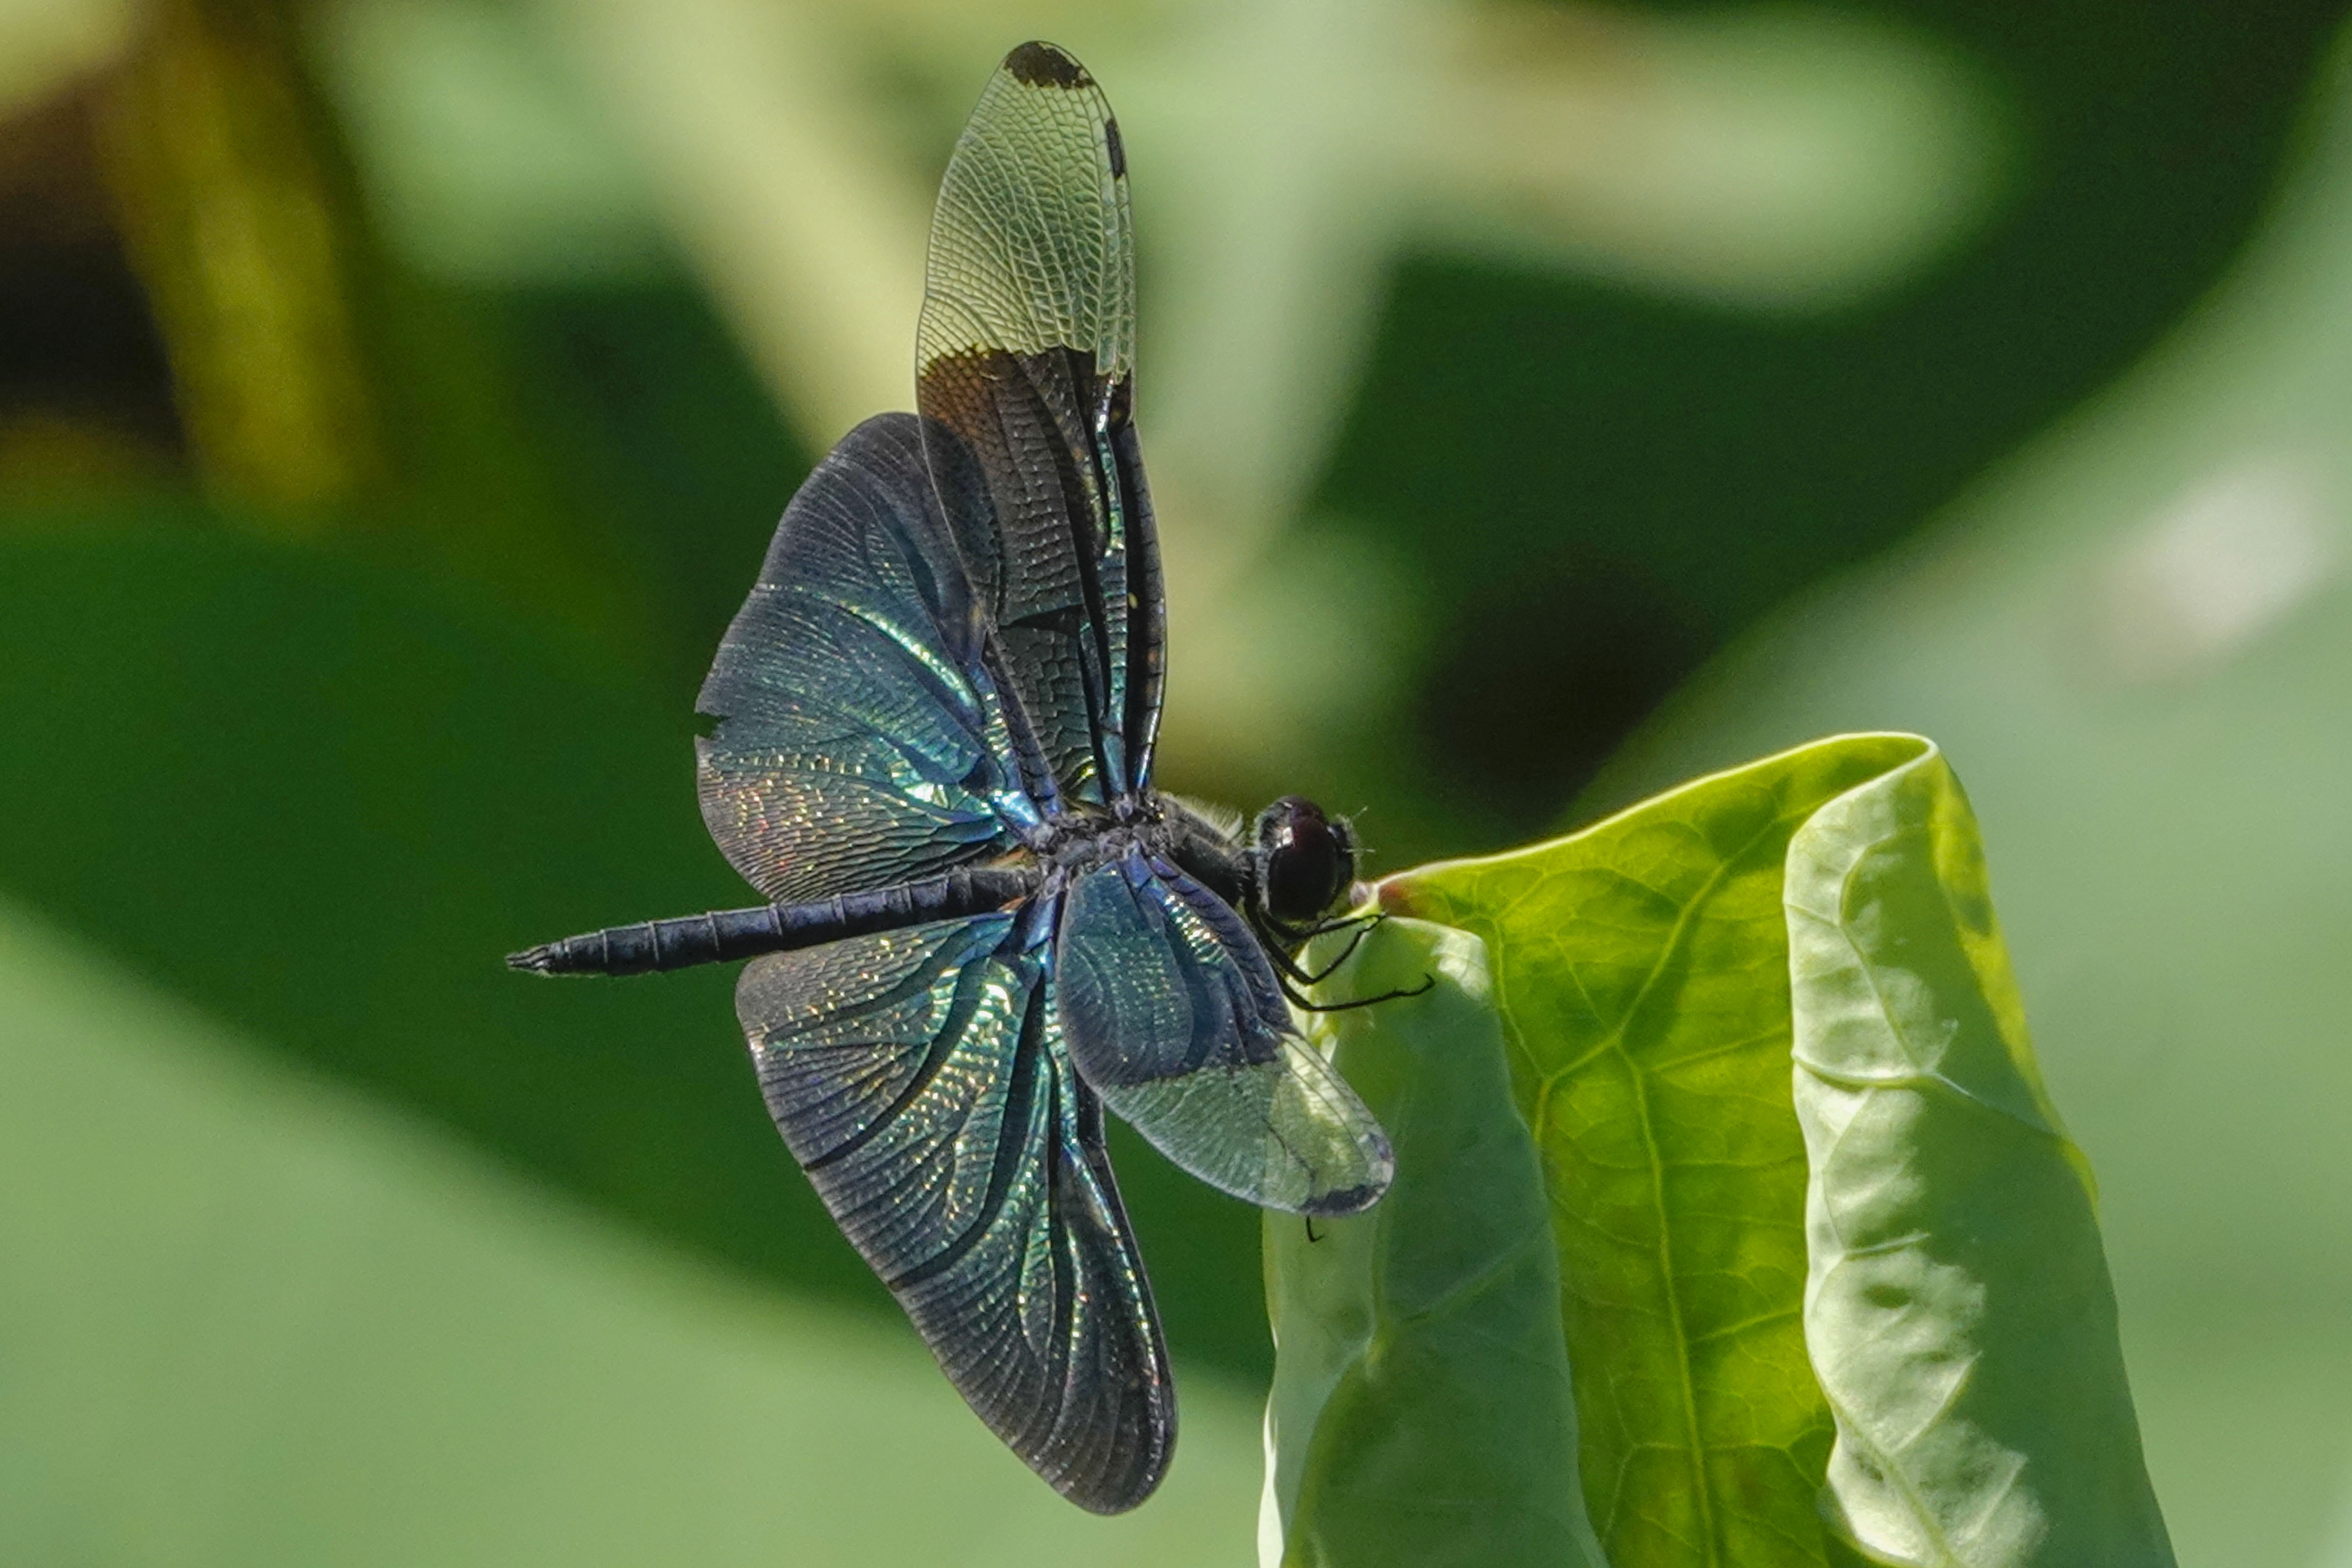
[{"x": 1305, "y": 861}]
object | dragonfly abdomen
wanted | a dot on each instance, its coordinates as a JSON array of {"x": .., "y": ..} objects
[{"x": 720, "y": 936}]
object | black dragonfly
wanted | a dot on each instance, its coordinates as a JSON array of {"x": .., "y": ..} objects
[{"x": 935, "y": 719}]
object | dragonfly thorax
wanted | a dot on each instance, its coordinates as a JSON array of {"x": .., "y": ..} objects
[
  {"x": 1079, "y": 839},
  {"x": 1297, "y": 866}
]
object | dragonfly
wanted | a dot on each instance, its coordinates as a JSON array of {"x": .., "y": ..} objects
[{"x": 935, "y": 716}]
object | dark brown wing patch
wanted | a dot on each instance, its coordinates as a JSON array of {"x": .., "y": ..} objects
[{"x": 1040, "y": 64}]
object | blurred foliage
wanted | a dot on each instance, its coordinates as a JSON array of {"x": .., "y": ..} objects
[
  {"x": 312, "y": 737},
  {"x": 1600, "y": 486},
  {"x": 213, "y": 146},
  {"x": 2138, "y": 637},
  {"x": 249, "y": 1322},
  {"x": 1897, "y": 1250}
]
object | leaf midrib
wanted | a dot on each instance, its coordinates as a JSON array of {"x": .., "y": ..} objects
[{"x": 1685, "y": 919}]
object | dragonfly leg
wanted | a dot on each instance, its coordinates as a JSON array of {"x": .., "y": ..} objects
[
  {"x": 1426, "y": 981},
  {"x": 1294, "y": 978},
  {"x": 1363, "y": 924}
]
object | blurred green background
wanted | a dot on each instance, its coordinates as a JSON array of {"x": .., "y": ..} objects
[{"x": 1544, "y": 401}]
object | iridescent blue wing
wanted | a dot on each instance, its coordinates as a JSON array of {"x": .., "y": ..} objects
[
  {"x": 861, "y": 740},
  {"x": 919, "y": 1077},
  {"x": 1173, "y": 1015},
  {"x": 1025, "y": 364}
]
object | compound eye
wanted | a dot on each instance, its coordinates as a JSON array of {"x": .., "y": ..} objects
[{"x": 1306, "y": 860}]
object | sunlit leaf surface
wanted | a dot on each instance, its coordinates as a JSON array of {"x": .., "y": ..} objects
[
  {"x": 1959, "y": 1307},
  {"x": 1643, "y": 969},
  {"x": 1899, "y": 1254}
]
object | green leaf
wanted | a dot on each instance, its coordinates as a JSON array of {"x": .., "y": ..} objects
[
  {"x": 1955, "y": 1302},
  {"x": 1422, "y": 1412},
  {"x": 1642, "y": 968},
  {"x": 1959, "y": 1307}
]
